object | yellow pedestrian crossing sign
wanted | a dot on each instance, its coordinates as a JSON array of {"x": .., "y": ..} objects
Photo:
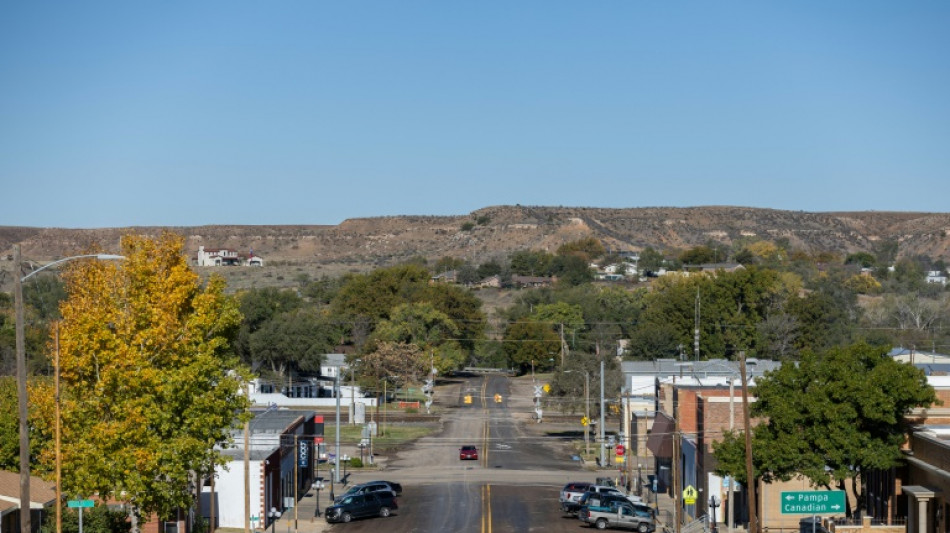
[
  {"x": 585, "y": 421},
  {"x": 468, "y": 398},
  {"x": 689, "y": 495}
]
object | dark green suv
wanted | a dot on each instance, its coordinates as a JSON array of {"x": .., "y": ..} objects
[{"x": 361, "y": 506}]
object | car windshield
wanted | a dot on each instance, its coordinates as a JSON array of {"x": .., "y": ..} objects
[
  {"x": 468, "y": 448},
  {"x": 353, "y": 490}
]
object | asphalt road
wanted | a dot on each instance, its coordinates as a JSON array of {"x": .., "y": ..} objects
[{"x": 513, "y": 487}]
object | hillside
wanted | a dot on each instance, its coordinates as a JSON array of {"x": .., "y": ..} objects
[{"x": 361, "y": 244}]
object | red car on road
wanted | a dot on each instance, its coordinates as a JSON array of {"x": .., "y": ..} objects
[{"x": 468, "y": 452}]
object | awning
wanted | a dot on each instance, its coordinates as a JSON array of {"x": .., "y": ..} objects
[{"x": 660, "y": 440}]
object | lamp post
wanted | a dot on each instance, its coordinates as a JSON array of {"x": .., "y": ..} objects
[
  {"x": 274, "y": 514},
  {"x": 25, "y": 519},
  {"x": 713, "y": 503}
]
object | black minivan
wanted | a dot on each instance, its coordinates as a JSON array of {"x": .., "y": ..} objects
[{"x": 361, "y": 506}]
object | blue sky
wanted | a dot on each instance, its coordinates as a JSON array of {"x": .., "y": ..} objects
[{"x": 312, "y": 112}]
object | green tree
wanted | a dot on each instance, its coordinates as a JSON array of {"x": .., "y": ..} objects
[
  {"x": 531, "y": 263},
  {"x": 259, "y": 307},
  {"x": 150, "y": 382},
  {"x": 528, "y": 342},
  {"x": 40, "y": 423},
  {"x": 99, "y": 519},
  {"x": 650, "y": 260},
  {"x": 294, "y": 341},
  {"x": 861, "y": 259},
  {"x": 698, "y": 255},
  {"x": 375, "y": 294},
  {"x": 833, "y": 418},
  {"x": 588, "y": 249},
  {"x": 571, "y": 270},
  {"x": 489, "y": 269},
  {"x": 431, "y": 330}
]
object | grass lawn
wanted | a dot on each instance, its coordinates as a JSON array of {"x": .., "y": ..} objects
[{"x": 395, "y": 435}]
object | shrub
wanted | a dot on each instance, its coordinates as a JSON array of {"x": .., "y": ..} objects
[{"x": 356, "y": 462}]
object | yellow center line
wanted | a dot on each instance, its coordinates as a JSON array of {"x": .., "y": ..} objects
[
  {"x": 486, "y": 509},
  {"x": 485, "y": 429}
]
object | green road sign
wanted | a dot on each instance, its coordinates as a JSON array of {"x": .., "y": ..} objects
[
  {"x": 80, "y": 503},
  {"x": 813, "y": 502}
]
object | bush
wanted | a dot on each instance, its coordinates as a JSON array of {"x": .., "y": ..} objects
[
  {"x": 467, "y": 226},
  {"x": 356, "y": 462}
]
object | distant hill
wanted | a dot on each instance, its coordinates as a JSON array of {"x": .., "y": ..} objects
[{"x": 364, "y": 243}]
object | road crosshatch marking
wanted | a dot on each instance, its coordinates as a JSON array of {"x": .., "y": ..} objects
[{"x": 813, "y": 502}]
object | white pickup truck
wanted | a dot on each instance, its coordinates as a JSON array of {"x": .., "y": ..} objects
[{"x": 618, "y": 515}]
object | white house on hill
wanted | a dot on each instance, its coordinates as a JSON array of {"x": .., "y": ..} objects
[{"x": 224, "y": 257}]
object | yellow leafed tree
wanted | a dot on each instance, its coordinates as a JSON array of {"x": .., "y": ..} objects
[{"x": 149, "y": 381}]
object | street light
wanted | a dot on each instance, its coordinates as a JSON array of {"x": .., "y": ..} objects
[
  {"x": 586, "y": 408},
  {"x": 25, "y": 525},
  {"x": 274, "y": 514}
]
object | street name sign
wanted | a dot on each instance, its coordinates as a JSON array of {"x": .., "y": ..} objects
[
  {"x": 813, "y": 502},
  {"x": 80, "y": 503}
]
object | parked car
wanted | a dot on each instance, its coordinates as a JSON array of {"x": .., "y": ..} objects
[
  {"x": 468, "y": 452},
  {"x": 396, "y": 487},
  {"x": 608, "y": 502},
  {"x": 621, "y": 515},
  {"x": 373, "y": 486},
  {"x": 571, "y": 495},
  {"x": 362, "y": 506}
]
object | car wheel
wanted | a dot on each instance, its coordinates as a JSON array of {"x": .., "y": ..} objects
[
  {"x": 347, "y": 517},
  {"x": 384, "y": 512},
  {"x": 600, "y": 523},
  {"x": 643, "y": 527}
]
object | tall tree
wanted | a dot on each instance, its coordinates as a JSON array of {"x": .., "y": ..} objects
[
  {"x": 833, "y": 418},
  {"x": 151, "y": 384},
  {"x": 428, "y": 328}
]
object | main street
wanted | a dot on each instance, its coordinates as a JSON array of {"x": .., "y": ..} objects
[{"x": 514, "y": 485}]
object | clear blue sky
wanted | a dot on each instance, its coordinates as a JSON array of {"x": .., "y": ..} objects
[{"x": 185, "y": 113}]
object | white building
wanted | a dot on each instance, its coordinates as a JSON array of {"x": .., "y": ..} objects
[
  {"x": 936, "y": 276},
  {"x": 280, "y": 442},
  {"x": 223, "y": 257}
]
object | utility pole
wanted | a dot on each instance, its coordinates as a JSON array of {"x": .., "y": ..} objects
[
  {"x": 59, "y": 434},
  {"x": 750, "y": 479},
  {"x": 25, "y": 526},
  {"x": 247, "y": 468},
  {"x": 563, "y": 346},
  {"x": 731, "y": 521},
  {"x": 336, "y": 458},
  {"x": 675, "y": 469},
  {"x": 603, "y": 448}
]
